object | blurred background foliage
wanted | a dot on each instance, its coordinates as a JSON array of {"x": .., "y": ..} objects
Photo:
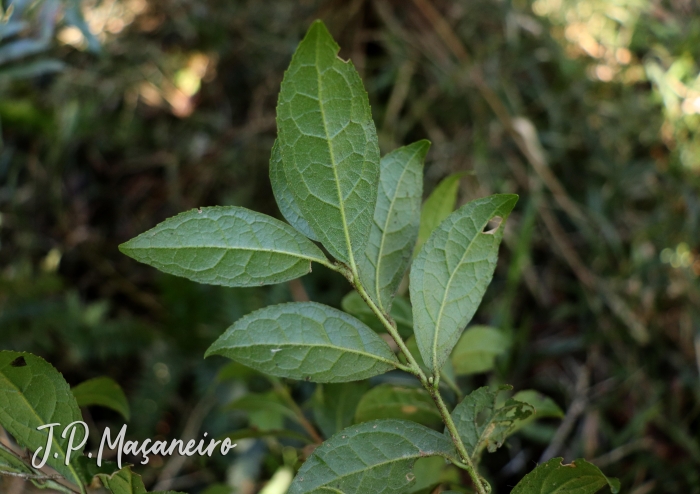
[{"x": 116, "y": 114}]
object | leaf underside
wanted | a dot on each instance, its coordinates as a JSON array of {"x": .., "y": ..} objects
[
  {"x": 396, "y": 220},
  {"x": 308, "y": 341},
  {"x": 33, "y": 393},
  {"x": 372, "y": 457},
  {"x": 451, "y": 274},
  {"x": 284, "y": 196},
  {"x": 230, "y": 246},
  {"x": 553, "y": 477},
  {"x": 328, "y": 143}
]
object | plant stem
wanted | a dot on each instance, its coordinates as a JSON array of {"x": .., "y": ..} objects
[
  {"x": 301, "y": 418},
  {"x": 431, "y": 387}
]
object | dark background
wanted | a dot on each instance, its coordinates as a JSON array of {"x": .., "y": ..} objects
[{"x": 590, "y": 110}]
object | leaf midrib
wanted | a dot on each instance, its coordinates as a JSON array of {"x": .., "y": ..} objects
[
  {"x": 392, "y": 202},
  {"x": 341, "y": 204},
  {"x": 317, "y": 345},
  {"x": 218, "y": 247},
  {"x": 41, "y": 421}
]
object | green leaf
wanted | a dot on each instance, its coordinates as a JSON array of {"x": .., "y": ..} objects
[
  {"x": 334, "y": 405},
  {"x": 375, "y": 456},
  {"x": 329, "y": 145},
  {"x": 451, "y": 274},
  {"x": 284, "y": 197},
  {"x": 482, "y": 424},
  {"x": 429, "y": 473},
  {"x": 88, "y": 468},
  {"x": 228, "y": 246},
  {"x": 387, "y": 401},
  {"x": 126, "y": 482},
  {"x": 553, "y": 477},
  {"x": 401, "y": 313},
  {"x": 396, "y": 219},
  {"x": 437, "y": 207},
  {"x": 543, "y": 405},
  {"x": 477, "y": 349},
  {"x": 308, "y": 341},
  {"x": 34, "y": 394},
  {"x": 102, "y": 391}
]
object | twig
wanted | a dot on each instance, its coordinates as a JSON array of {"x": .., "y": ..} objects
[
  {"x": 31, "y": 476},
  {"x": 301, "y": 418}
]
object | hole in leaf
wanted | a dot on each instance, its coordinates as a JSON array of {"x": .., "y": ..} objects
[
  {"x": 19, "y": 362},
  {"x": 492, "y": 226},
  {"x": 482, "y": 417}
]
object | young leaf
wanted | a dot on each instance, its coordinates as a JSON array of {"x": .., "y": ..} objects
[
  {"x": 308, "y": 341},
  {"x": 387, "y": 401},
  {"x": 228, "y": 246},
  {"x": 401, "y": 313},
  {"x": 102, "y": 391},
  {"x": 334, "y": 405},
  {"x": 477, "y": 349},
  {"x": 284, "y": 197},
  {"x": 554, "y": 477},
  {"x": 481, "y": 424},
  {"x": 451, "y": 273},
  {"x": 329, "y": 145},
  {"x": 375, "y": 456},
  {"x": 126, "y": 482},
  {"x": 396, "y": 219},
  {"x": 437, "y": 207},
  {"x": 34, "y": 394}
]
